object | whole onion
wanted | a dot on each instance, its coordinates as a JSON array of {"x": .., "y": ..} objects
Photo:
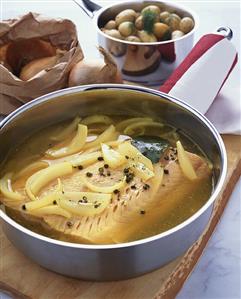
[{"x": 89, "y": 71}]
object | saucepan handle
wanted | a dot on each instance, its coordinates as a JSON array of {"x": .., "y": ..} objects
[
  {"x": 89, "y": 7},
  {"x": 199, "y": 78}
]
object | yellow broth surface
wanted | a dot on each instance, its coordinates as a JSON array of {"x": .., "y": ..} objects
[{"x": 166, "y": 210}]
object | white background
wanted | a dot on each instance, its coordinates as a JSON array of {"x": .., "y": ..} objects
[{"x": 217, "y": 275}]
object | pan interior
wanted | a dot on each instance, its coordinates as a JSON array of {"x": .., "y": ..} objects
[{"x": 110, "y": 101}]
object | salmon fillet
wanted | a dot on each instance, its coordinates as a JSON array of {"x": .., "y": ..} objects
[{"x": 137, "y": 206}]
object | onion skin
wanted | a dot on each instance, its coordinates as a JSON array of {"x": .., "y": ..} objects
[
  {"x": 20, "y": 53},
  {"x": 7, "y": 66},
  {"x": 3, "y": 58},
  {"x": 89, "y": 71},
  {"x": 34, "y": 67}
]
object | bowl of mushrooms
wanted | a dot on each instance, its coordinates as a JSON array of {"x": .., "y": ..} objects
[{"x": 147, "y": 39}]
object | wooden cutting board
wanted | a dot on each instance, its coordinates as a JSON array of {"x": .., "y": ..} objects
[{"x": 24, "y": 279}]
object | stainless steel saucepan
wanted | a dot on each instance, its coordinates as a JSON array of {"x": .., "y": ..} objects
[
  {"x": 144, "y": 63},
  {"x": 118, "y": 261}
]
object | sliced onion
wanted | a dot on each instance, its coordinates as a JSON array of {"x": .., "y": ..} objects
[
  {"x": 96, "y": 204},
  {"x": 104, "y": 189},
  {"x": 85, "y": 159},
  {"x": 87, "y": 209},
  {"x": 33, "y": 167},
  {"x": 66, "y": 132},
  {"x": 114, "y": 143},
  {"x": 134, "y": 154},
  {"x": 185, "y": 162},
  {"x": 75, "y": 145},
  {"x": 109, "y": 134},
  {"x": 97, "y": 119},
  {"x": 97, "y": 131},
  {"x": 6, "y": 188},
  {"x": 157, "y": 179},
  {"x": 112, "y": 157},
  {"x": 141, "y": 171},
  {"x": 125, "y": 123},
  {"x": 51, "y": 210},
  {"x": 130, "y": 130},
  {"x": 46, "y": 200},
  {"x": 41, "y": 178},
  {"x": 29, "y": 181}
]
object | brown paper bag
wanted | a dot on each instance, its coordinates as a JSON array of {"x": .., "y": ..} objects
[{"x": 61, "y": 33}]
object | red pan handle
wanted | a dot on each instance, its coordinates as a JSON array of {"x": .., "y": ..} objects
[{"x": 199, "y": 78}]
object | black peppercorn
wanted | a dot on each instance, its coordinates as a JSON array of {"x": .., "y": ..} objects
[
  {"x": 146, "y": 187},
  {"x": 101, "y": 170},
  {"x": 69, "y": 224},
  {"x": 129, "y": 177},
  {"x": 126, "y": 170}
]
